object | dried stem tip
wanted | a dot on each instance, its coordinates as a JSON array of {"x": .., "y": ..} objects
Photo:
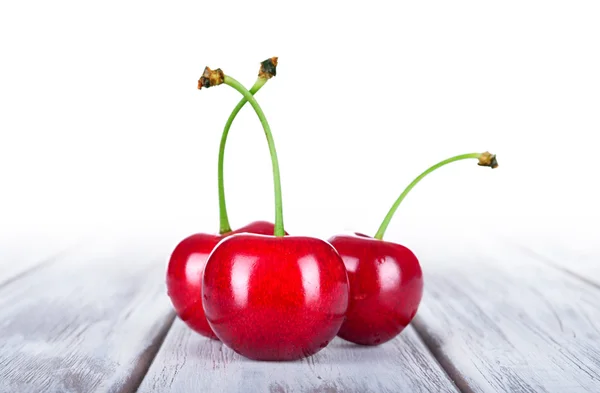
[
  {"x": 268, "y": 68},
  {"x": 488, "y": 159},
  {"x": 211, "y": 78}
]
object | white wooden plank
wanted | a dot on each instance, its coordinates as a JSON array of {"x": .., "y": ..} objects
[
  {"x": 584, "y": 264},
  {"x": 21, "y": 255},
  {"x": 188, "y": 362},
  {"x": 572, "y": 246},
  {"x": 499, "y": 321},
  {"x": 89, "y": 322}
]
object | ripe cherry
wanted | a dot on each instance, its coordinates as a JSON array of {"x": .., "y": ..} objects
[
  {"x": 386, "y": 285},
  {"x": 186, "y": 265},
  {"x": 386, "y": 281},
  {"x": 273, "y": 297}
]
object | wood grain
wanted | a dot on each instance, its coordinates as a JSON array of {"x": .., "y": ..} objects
[
  {"x": 188, "y": 362},
  {"x": 89, "y": 322},
  {"x": 500, "y": 321}
]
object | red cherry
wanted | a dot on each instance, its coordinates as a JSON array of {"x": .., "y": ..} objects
[
  {"x": 184, "y": 280},
  {"x": 386, "y": 286},
  {"x": 185, "y": 269},
  {"x": 275, "y": 298},
  {"x": 386, "y": 282}
]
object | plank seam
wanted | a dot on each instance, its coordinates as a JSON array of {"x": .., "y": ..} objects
[
  {"x": 443, "y": 361},
  {"x": 147, "y": 358}
]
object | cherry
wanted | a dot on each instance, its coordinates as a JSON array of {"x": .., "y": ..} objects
[
  {"x": 386, "y": 281},
  {"x": 273, "y": 297},
  {"x": 186, "y": 265},
  {"x": 386, "y": 285}
]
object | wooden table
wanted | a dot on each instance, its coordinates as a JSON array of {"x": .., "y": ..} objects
[{"x": 496, "y": 317}]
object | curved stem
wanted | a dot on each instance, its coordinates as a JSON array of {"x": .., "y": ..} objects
[
  {"x": 224, "y": 219},
  {"x": 279, "y": 229},
  {"x": 388, "y": 217}
]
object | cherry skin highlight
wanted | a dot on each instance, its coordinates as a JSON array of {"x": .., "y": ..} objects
[
  {"x": 185, "y": 269},
  {"x": 386, "y": 286},
  {"x": 275, "y": 298}
]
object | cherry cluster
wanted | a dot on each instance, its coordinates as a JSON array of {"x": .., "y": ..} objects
[{"x": 271, "y": 296}]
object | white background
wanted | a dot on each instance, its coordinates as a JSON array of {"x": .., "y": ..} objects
[{"x": 104, "y": 131}]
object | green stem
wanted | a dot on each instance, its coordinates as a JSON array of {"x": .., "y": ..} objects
[
  {"x": 388, "y": 217},
  {"x": 224, "y": 219},
  {"x": 279, "y": 230}
]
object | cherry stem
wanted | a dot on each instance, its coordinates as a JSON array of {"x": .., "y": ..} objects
[
  {"x": 485, "y": 159},
  {"x": 279, "y": 229},
  {"x": 224, "y": 219}
]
